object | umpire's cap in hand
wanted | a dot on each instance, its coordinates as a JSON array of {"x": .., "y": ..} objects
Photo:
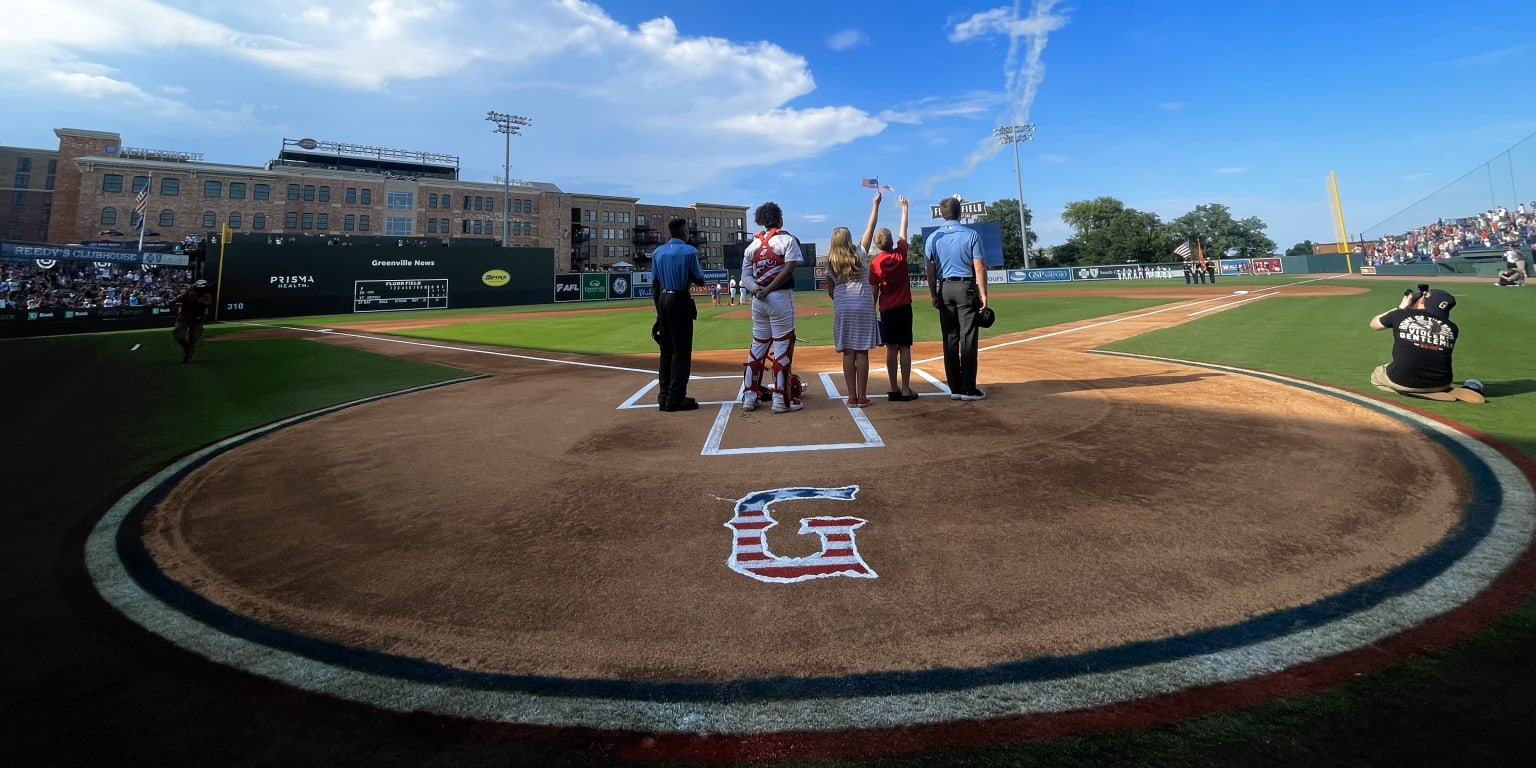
[
  {"x": 656, "y": 332},
  {"x": 986, "y": 317}
]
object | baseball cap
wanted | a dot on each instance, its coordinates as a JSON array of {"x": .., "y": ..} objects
[
  {"x": 1439, "y": 303},
  {"x": 986, "y": 318},
  {"x": 200, "y": 284}
]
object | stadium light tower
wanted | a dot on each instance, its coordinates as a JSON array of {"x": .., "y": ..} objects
[
  {"x": 1016, "y": 134},
  {"x": 509, "y": 125}
]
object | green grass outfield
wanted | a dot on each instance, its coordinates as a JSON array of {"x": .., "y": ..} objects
[{"x": 89, "y": 414}]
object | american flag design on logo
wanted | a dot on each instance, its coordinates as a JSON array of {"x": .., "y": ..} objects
[{"x": 839, "y": 553}]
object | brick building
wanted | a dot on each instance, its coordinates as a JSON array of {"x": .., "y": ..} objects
[{"x": 329, "y": 189}]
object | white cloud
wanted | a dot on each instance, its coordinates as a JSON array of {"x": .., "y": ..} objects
[
  {"x": 815, "y": 218},
  {"x": 1233, "y": 169},
  {"x": 974, "y": 104},
  {"x": 1171, "y": 106},
  {"x": 561, "y": 62},
  {"x": 1005, "y": 22},
  {"x": 847, "y": 39},
  {"x": 1053, "y": 159}
]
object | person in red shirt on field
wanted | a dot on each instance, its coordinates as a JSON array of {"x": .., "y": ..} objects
[{"x": 893, "y": 295}]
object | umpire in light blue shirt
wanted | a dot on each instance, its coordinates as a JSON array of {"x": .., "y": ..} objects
[
  {"x": 957, "y": 281},
  {"x": 676, "y": 266}
]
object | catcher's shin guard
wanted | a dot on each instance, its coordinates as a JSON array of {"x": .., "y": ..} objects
[
  {"x": 782, "y": 357},
  {"x": 752, "y": 377}
]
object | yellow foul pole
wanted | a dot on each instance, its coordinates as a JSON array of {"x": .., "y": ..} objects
[
  {"x": 1338, "y": 222},
  {"x": 218, "y": 287}
]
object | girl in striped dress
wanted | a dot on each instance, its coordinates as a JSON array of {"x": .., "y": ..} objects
[{"x": 855, "y": 326}]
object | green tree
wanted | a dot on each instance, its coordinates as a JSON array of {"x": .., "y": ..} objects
[
  {"x": 1219, "y": 234},
  {"x": 915, "y": 252},
  {"x": 1107, "y": 232},
  {"x": 1303, "y": 248},
  {"x": 1006, "y": 214}
]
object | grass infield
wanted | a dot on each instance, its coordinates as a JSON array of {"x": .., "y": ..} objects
[{"x": 90, "y": 415}]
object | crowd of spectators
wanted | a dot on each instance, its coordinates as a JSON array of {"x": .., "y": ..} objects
[
  {"x": 87, "y": 285},
  {"x": 1495, "y": 229}
]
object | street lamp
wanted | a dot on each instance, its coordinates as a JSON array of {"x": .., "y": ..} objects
[
  {"x": 508, "y": 125},
  {"x": 1015, "y": 134}
]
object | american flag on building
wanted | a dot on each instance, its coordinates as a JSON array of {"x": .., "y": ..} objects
[{"x": 140, "y": 205}]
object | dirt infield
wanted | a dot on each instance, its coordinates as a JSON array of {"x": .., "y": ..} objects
[{"x": 527, "y": 525}]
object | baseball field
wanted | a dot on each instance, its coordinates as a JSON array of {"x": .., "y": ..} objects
[{"x": 1182, "y": 530}]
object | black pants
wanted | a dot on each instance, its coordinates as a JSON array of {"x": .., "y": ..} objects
[
  {"x": 957, "y": 319},
  {"x": 675, "y": 313}
]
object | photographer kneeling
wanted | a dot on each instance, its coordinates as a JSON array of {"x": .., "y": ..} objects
[{"x": 1424, "y": 339}]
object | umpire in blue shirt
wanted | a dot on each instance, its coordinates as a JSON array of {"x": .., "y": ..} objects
[
  {"x": 957, "y": 281},
  {"x": 676, "y": 266}
]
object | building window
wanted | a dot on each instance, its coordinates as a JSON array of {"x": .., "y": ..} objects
[
  {"x": 261, "y": 192},
  {"x": 23, "y": 164},
  {"x": 431, "y": 226},
  {"x": 397, "y": 226},
  {"x": 517, "y": 205},
  {"x": 140, "y": 183},
  {"x": 608, "y": 216},
  {"x": 640, "y": 221},
  {"x": 442, "y": 224},
  {"x": 309, "y": 193},
  {"x": 23, "y": 181},
  {"x": 477, "y": 226},
  {"x": 399, "y": 201},
  {"x": 527, "y": 206},
  {"x": 348, "y": 222},
  {"x": 213, "y": 189},
  {"x": 467, "y": 200},
  {"x": 365, "y": 196},
  {"x": 291, "y": 220},
  {"x": 624, "y": 217},
  {"x": 466, "y": 226},
  {"x": 325, "y": 194},
  {"x": 322, "y": 221},
  {"x": 109, "y": 215},
  {"x": 112, "y": 182},
  {"x": 293, "y": 191},
  {"x": 210, "y": 219},
  {"x": 351, "y": 195},
  {"x": 167, "y": 218},
  {"x": 591, "y": 215},
  {"x": 234, "y": 220},
  {"x": 362, "y": 221},
  {"x": 432, "y": 201},
  {"x": 258, "y": 221},
  {"x": 48, "y": 182},
  {"x": 309, "y": 221},
  {"x": 237, "y": 190}
]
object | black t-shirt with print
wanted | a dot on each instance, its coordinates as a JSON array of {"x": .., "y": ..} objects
[{"x": 1421, "y": 348}]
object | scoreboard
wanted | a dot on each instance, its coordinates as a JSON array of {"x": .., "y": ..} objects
[{"x": 399, "y": 295}]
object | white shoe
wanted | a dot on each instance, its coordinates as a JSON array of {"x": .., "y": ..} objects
[
  {"x": 749, "y": 401},
  {"x": 791, "y": 407},
  {"x": 975, "y": 394}
]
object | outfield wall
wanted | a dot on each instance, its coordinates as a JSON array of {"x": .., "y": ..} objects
[{"x": 256, "y": 280}]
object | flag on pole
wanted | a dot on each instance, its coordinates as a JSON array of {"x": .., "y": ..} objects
[
  {"x": 141, "y": 204},
  {"x": 887, "y": 188},
  {"x": 1200, "y": 253},
  {"x": 870, "y": 183},
  {"x": 1183, "y": 250}
]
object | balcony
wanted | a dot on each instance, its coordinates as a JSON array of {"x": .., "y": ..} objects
[
  {"x": 646, "y": 236},
  {"x": 581, "y": 234},
  {"x": 696, "y": 238}
]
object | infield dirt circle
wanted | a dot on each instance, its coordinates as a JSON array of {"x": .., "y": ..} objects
[{"x": 547, "y": 522}]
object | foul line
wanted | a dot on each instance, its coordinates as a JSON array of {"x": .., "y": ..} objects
[
  {"x": 329, "y": 332},
  {"x": 1172, "y": 308}
]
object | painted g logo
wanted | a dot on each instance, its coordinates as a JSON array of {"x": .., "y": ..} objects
[{"x": 839, "y": 555}]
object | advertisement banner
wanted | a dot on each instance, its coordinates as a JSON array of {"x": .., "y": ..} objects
[
  {"x": 642, "y": 285},
  {"x": 717, "y": 276},
  {"x": 1128, "y": 272},
  {"x": 594, "y": 286},
  {"x": 1045, "y": 275},
  {"x": 1234, "y": 266},
  {"x": 1266, "y": 266},
  {"x": 26, "y": 252},
  {"x": 618, "y": 285},
  {"x": 568, "y": 286}
]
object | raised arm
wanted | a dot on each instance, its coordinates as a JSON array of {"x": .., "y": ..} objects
[
  {"x": 901, "y": 234},
  {"x": 874, "y": 218}
]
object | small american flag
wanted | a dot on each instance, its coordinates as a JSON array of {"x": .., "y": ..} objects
[
  {"x": 1183, "y": 249},
  {"x": 870, "y": 183},
  {"x": 140, "y": 204}
]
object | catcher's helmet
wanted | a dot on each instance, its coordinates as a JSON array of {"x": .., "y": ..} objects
[{"x": 796, "y": 387}]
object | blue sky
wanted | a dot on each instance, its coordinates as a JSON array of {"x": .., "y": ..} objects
[{"x": 1162, "y": 105}]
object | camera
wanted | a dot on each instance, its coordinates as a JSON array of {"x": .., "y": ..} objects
[{"x": 1417, "y": 293}]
